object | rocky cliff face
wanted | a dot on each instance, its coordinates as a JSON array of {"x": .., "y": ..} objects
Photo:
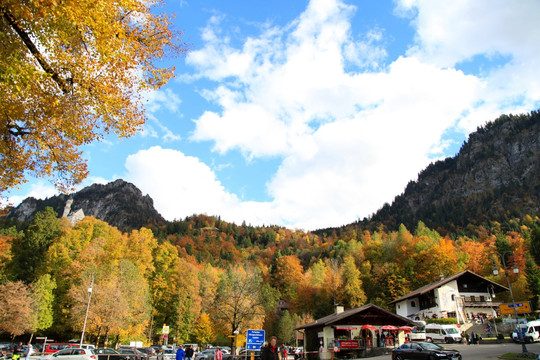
[
  {"x": 496, "y": 175},
  {"x": 118, "y": 203}
]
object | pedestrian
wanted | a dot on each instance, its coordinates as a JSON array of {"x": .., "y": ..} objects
[
  {"x": 180, "y": 353},
  {"x": 218, "y": 355},
  {"x": 189, "y": 352},
  {"x": 283, "y": 352},
  {"x": 18, "y": 351},
  {"x": 270, "y": 351},
  {"x": 29, "y": 350}
]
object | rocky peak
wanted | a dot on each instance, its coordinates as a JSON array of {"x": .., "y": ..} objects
[{"x": 118, "y": 203}]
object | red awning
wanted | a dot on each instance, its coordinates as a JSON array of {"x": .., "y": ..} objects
[
  {"x": 368, "y": 327},
  {"x": 346, "y": 328},
  {"x": 405, "y": 328},
  {"x": 389, "y": 327}
]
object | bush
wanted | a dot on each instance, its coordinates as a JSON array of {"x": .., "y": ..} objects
[{"x": 500, "y": 336}]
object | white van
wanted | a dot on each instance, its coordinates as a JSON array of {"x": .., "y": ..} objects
[
  {"x": 419, "y": 331},
  {"x": 440, "y": 332},
  {"x": 531, "y": 331}
]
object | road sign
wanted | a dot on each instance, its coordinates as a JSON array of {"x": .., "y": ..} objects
[
  {"x": 255, "y": 338},
  {"x": 521, "y": 308},
  {"x": 165, "y": 329}
]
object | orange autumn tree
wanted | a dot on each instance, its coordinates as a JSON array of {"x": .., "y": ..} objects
[
  {"x": 287, "y": 274},
  {"x": 72, "y": 73}
]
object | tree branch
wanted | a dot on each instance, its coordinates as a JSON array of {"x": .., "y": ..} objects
[{"x": 34, "y": 50}]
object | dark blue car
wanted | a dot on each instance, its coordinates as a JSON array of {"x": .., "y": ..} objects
[{"x": 424, "y": 350}]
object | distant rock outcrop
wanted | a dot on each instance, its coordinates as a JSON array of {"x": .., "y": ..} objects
[{"x": 118, "y": 203}]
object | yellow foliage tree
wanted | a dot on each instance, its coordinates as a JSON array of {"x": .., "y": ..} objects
[
  {"x": 204, "y": 331},
  {"x": 71, "y": 73}
]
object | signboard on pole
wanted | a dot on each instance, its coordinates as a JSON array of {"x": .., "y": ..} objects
[
  {"x": 521, "y": 308},
  {"x": 255, "y": 339}
]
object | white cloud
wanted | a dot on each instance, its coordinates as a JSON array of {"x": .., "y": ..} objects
[
  {"x": 351, "y": 131},
  {"x": 39, "y": 189},
  {"x": 180, "y": 185},
  {"x": 502, "y": 35},
  {"x": 349, "y": 140}
]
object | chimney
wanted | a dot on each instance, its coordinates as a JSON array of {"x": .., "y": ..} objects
[{"x": 339, "y": 309}]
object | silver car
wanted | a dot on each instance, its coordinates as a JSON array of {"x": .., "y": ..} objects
[{"x": 71, "y": 354}]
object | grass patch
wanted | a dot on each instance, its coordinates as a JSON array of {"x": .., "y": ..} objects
[{"x": 519, "y": 356}]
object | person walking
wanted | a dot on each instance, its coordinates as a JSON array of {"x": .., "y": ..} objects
[
  {"x": 218, "y": 355},
  {"x": 189, "y": 352},
  {"x": 180, "y": 353},
  {"x": 29, "y": 350},
  {"x": 270, "y": 351}
]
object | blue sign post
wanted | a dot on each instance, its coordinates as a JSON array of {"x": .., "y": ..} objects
[{"x": 255, "y": 339}]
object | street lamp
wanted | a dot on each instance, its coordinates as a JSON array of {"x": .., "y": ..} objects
[
  {"x": 87, "y": 308},
  {"x": 516, "y": 270},
  {"x": 491, "y": 297}
]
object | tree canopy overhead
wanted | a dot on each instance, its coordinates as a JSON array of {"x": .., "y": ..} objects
[{"x": 72, "y": 72}]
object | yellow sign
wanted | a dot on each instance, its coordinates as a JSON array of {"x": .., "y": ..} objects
[
  {"x": 165, "y": 330},
  {"x": 521, "y": 308}
]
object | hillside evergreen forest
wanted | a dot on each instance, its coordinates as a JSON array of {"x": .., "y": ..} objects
[{"x": 206, "y": 278}]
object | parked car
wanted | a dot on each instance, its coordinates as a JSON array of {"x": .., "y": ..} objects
[
  {"x": 109, "y": 354},
  {"x": 442, "y": 332},
  {"x": 71, "y": 354},
  {"x": 147, "y": 350},
  {"x": 134, "y": 353},
  {"x": 298, "y": 353},
  {"x": 245, "y": 354},
  {"x": 209, "y": 355},
  {"x": 424, "y": 350},
  {"x": 5, "y": 349},
  {"x": 167, "y": 354},
  {"x": 54, "y": 347},
  {"x": 529, "y": 331}
]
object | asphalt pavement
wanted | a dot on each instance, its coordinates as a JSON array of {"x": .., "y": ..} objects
[{"x": 481, "y": 351}]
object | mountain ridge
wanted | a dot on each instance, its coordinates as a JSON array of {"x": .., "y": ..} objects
[
  {"x": 119, "y": 203},
  {"x": 494, "y": 176}
]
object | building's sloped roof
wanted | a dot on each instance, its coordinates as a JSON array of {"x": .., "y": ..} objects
[
  {"x": 336, "y": 318},
  {"x": 427, "y": 288}
]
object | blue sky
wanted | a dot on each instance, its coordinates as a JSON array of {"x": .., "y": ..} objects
[{"x": 311, "y": 114}]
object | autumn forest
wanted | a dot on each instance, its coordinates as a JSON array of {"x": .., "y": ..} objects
[{"x": 206, "y": 278}]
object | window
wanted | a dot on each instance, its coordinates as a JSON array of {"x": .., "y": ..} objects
[
  {"x": 453, "y": 297},
  {"x": 413, "y": 303}
]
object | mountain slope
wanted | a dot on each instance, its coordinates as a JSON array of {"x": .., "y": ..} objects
[
  {"x": 494, "y": 177},
  {"x": 118, "y": 203}
]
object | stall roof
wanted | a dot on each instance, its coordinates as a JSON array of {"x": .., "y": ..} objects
[{"x": 340, "y": 318}]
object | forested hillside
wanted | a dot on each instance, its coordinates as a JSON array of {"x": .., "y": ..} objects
[{"x": 192, "y": 273}]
